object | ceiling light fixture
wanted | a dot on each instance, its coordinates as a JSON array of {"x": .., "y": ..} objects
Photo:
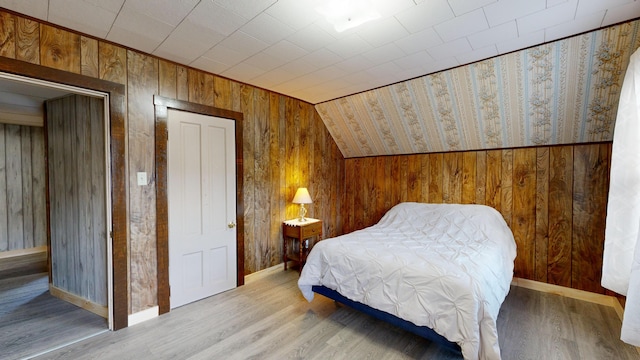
[{"x": 347, "y": 14}]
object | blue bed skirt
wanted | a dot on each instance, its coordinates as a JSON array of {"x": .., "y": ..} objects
[{"x": 422, "y": 331}]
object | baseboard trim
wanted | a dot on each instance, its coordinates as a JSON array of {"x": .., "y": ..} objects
[
  {"x": 23, "y": 262},
  {"x": 144, "y": 315},
  {"x": 600, "y": 299},
  {"x": 23, "y": 252},
  {"x": 80, "y": 302},
  {"x": 569, "y": 292}
]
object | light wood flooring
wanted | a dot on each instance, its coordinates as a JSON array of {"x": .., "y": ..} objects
[
  {"x": 32, "y": 321},
  {"x": 269, "y": 319}
]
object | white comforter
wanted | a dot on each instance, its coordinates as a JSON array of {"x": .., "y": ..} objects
[{"x": 445, "y": 266}]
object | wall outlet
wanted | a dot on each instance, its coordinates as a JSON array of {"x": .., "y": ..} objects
[{"x": 142, "y": 178}]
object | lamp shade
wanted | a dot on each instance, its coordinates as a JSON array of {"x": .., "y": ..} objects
[{"x": 302, "y": 196}]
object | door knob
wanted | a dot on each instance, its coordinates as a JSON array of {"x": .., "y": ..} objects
[{"x": 231, "y": 225}]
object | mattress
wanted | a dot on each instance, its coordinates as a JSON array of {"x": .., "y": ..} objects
[{"x": 445, "y": 266}]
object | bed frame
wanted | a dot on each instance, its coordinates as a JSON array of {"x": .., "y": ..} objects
[{"x": 422, "y": 331}]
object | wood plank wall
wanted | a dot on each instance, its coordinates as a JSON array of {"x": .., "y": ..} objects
[
  {"x": 286, "y": 144},
  {"x": 22, "y": 188},
  {"x": 553, "y": 198},
  {"x": 77, "y": 196}
]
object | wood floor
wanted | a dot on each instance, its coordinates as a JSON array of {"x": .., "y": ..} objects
[
  {"x": 268, "y": 319},
  {"x": 32, "y": 321}
]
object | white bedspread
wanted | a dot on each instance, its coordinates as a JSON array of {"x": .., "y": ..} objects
[{"x": 445, "y": 266}]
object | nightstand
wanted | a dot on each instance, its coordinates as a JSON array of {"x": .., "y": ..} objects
[{"x": 300, "y": 234}]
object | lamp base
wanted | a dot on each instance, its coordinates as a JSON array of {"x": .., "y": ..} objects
[{"x": 303, "y": 212}]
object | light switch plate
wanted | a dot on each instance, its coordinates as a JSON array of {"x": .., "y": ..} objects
[{"x": 142, "y": 178}]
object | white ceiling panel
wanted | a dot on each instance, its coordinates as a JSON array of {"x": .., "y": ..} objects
[
  {"x": 311, "y": 38},
  {"x": 264, "y": 61},
  {"x": 224, "y": 55},
  {"x": 421, "y": 40},
  {"x": 494, "y": 35},
  {"x": 311, "y": 80},
  {"x": 290, "y": 85},
  {"x": 390, "y": 8},
  {"x": 441, "y": 64},
  {"x": 426, "y": 14},
  {"x": 586, "y": 7},
  {"x": 286, "y": 51},
  {"x": 547, "y": 18},
  {"x": 38, "y": 9},
  {"x": 464, "y": 25},
  {"x": 479, "y": 54},
  {"x": 450, "y": 49},
  {"x": 301, "y": 67},
  {"x": 243, "y": 44},
  {"x": 267, "y": 28},
  {"x": 331, "y": 72},
  {"x": 411, "y": 73},
  {"x": 248, "y": 9},
  {"x": 83, "y": 16},
  {"x": 382, "y": 32},
  {"x": 209, "y": 65},
  {"x": 243, "y": 71},
  {"x": 356, "y": 78},
  {"x": 287, "y": 46},
  {"x": 138, "y": 31},
  {"x": 551, "y": 3},
  {"x": 113, "y": 6},
  {"x": 274, "y": 77},
  {"x": 621, "y": 13},
  {"x": 384, "y": 70},
  {"x": 217, "y": 18},
  {"x": 296, "y": 13},
  {"x": 322, "y": 58},
  {"x": 188, "y": 42},
  {"x": 355, "y": 63},
  {"x": 349, "y": 46},
  {"x": 521, "y": 42},
  {"x": 505, "y": 11},
  {"x": 384, "y": 53},
  {"x": 569, "y": 28},
  {"x": 416, "y": 60},
  {"x": 170, "y": 12},
  {"x": 461, "y": 7}
]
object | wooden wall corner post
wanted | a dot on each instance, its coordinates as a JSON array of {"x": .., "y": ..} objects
[
  {"x": 162, "y": 210},
  {"x": 239, "y": 198},
  {"x": 120, "y": 251}
]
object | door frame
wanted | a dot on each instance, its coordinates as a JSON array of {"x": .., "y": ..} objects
[
  {"x": 162, "y": 104},
  {"x": 116, "y": 158}
]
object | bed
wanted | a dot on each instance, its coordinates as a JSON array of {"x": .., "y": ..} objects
[{"x": 445, "y": 267}]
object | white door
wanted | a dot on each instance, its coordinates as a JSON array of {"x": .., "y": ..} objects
[{"x": 202, "y": 206}]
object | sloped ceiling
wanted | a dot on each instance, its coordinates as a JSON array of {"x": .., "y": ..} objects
[{"x": 563, "y": 92}]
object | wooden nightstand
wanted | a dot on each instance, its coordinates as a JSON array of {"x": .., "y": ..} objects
[{"x": 298, "y": 232}]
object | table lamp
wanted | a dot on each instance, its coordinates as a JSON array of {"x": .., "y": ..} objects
[{"x": 302, "y": 197}]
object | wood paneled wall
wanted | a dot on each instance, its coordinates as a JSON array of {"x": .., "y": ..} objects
[
  {"x": 77, "y": 196},
  {"x": 22, "y": 188},
  {"x": 286, "y": 144},
  {"x": 553, "y": 198}
]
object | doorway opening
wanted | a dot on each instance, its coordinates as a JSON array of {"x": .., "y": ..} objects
[
  {"x": 112, "y": 100},
  {"x": 76, "y": 220}
]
